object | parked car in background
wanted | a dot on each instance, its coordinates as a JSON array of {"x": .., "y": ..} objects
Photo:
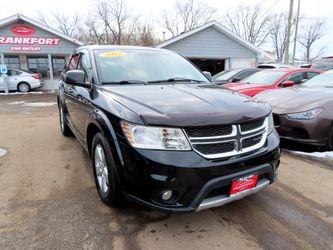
[
  {"x": 325, "y": 63},
  {"x": 160, "y": 134},
  {"x": 271, "y": 79},
  {"x": 274, "y": 66},
  {"x": 233, "y": 75},
  {"x": 20, "y": 80},
  {"x": 304, "y": 113}
]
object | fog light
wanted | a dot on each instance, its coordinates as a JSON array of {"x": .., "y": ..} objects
[{"x": 166, "y": 195}]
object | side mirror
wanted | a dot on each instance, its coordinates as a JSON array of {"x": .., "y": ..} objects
[
  {"x": 208, "y": 75},
  {"x": 235, "y": 79},
  {"x": 288, "y": 84},
  {"x": 76, "y": 77}
]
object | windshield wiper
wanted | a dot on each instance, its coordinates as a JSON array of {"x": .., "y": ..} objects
[
  {"x": 176, "y": 79},
  {"x": 126, "y": 82}
]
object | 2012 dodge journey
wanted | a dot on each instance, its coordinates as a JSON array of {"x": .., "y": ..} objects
[{"x": 161, "y": 134}]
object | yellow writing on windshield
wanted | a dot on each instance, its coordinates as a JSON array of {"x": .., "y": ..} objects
[{"x": 112, "y": 54}]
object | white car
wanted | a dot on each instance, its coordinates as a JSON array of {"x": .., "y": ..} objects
[
  {"x": 21, "y": 81},
  {"x": 274, "y": 66}
]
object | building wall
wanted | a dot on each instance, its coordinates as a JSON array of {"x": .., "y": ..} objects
[
  {"x": 210, "y": 43},
  {"x": 64, "y": 47},
  {"x": 242, "y": 63}
]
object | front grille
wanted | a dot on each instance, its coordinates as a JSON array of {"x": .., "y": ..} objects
[
  {"x": 247, "y": 126},
  {"x": 217, "y": 148},
  {"x": 209, "y": 131},
  {"x": 228, "y": 140},
  {"x": 251, "y": 141}
]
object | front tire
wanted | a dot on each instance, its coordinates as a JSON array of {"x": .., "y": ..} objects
[
  {"x": 65, "y": 130},
  {"x": 104, "y": 167}
]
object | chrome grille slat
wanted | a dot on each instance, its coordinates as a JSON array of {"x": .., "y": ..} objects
[{"x": 212, "y": 147}]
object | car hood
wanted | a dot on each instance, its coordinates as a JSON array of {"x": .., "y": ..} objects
[
  {"x": 187, "y": 104},
  {"x": 295, "y": 99},
  {"x": 240, "y": 87}
]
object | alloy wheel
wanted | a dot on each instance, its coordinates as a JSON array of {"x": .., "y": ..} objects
[{"x": 101, "y": 169}]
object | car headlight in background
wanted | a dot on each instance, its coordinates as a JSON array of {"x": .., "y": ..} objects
[
  {"x": 306, "y": 115},
  {"x": 155, "y": 137},
  {"x": 270, "y": 123}
]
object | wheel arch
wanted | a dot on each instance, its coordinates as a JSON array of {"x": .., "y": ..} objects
[{"x": 99, "y": 122}]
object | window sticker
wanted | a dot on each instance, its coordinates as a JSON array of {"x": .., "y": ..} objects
[{"x": 112, "y": 54}]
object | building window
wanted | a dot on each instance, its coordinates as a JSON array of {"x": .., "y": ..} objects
[
  {"x": 12, "y": 62},
  {"x": 39, "y": 65},
  {"x": 58, "y": 66}
]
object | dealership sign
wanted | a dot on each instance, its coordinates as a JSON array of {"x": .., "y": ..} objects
[{"x": 25, "y": 42}]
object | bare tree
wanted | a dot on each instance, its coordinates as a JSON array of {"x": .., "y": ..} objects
[
  {"x": 145, "y": 35},
  {"x": 310, "y": 34},
  {"x": 251, "y": 23},
  {"x": 186, "y": 16},
  {"x": 67, "y": 24},
  {"x": 117, "y": 23},
  {"x": 278, "y": 33}
]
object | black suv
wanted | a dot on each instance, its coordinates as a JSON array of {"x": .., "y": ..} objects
[{"x": 161, "y": 134}]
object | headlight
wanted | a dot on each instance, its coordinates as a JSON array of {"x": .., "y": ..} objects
[
  {"x": 155, "y": 137},
  {"x": 270, "y": 123},
  {"x": 306, "y": 115}
]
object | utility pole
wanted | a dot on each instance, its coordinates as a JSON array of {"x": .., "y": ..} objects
[
  {"x": 286, "y": 54},
  {"x": 296, "y": 30}
]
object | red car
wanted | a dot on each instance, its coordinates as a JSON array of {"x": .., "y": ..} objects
[{"x": 272, "y": 79}]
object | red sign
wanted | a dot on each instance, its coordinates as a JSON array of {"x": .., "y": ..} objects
[
  {"x": 23, "y": 30},
  {"x": 244, "y": 183}
]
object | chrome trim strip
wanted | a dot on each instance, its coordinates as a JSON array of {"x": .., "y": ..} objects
[
  {"x": 224, "y": 199},
  {"x": 238, "y": 150},
  {"x": 233, "y": 133},
  {"x": 254, "y": 130},
  {"x": 213, "y": 142}
]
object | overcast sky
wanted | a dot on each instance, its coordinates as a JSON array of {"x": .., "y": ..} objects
[{"x": 151, "y": 8}]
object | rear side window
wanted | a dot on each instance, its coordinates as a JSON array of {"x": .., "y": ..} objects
[
  {"x": 312, "y": 74},
  {"x": 73, "y": 62},
  {"x": 245, "y": 74},
  {"x": 13, "y": 72}
]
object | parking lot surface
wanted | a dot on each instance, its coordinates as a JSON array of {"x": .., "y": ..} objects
[{"x": 48, "y": 198}]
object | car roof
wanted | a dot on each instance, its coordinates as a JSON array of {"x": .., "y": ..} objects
[
  {"x": 294, "y": 70},
  {"x": 121, "y": 47}
]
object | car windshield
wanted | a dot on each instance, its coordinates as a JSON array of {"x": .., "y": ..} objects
[
  {"x": 225, "y": 75},
  {"x": 266, "y": 77},
  {"x": 322, "y": 80},
  {"x": 145, "y": 66}
]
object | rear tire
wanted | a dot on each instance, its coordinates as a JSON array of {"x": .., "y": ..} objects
[
  {"x": 107, "y": 185},
  {"x": 23, "y": 87},
  {"x": 330, "y": 140},
  {"x": 65, "y": 130}
]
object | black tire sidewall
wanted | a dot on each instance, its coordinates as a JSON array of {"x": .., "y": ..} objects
[
  {"x": 66, "y": 131},
  {"x": 113, "y": 195}
]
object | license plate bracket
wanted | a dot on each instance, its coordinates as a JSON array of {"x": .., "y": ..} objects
[{"x": 244, "y": 183}]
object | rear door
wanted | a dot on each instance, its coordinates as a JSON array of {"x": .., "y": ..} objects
[{"x": 68, "y": 89}]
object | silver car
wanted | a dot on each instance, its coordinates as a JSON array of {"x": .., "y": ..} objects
[{"x": 21, "y": 81}]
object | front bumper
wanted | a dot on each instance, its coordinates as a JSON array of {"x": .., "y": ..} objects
[
  {"x": 196, "y": 183},
  {"x": 314, "y": 132}
]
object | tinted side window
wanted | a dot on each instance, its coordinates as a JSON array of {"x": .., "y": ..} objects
[
  {"x": 73, "y": 62},
  {"x": 297, "y": 77}
]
